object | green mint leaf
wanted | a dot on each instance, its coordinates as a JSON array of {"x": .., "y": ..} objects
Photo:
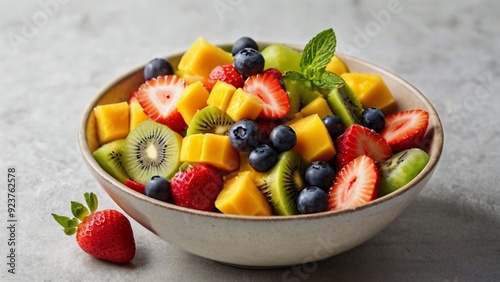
[
  {"x": 329, "y": 81},
  {"x": 297, "y": 76},
  {"x": 79, "y": 210},
  {"x": 91, "y": 200},
  {"x": 317, "y": 54},
  {"x": 293, "y": 75}
]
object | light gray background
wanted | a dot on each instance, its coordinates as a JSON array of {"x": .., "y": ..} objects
[{"x": 56, "y": 55}]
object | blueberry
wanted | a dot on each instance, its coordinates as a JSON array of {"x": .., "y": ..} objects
[
  {"x": 242, "y": 43},
  {"x": 319, "y": 174},
  {"x": 248, "y": 62},
  {"x": 244, "y": 135},
  {"x": 312, "y": 199},
  {"x": 262, "y": 158},
  {"x": 283, "y": 138},
  {"x": 157, "y": 67},
  {"x": 158, "y": 188},
  {"x": 374, "y": 119},
  {"x": 334, "y": 125}
]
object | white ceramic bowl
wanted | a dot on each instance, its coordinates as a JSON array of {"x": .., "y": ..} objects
[{"x": 264, "y": 242}]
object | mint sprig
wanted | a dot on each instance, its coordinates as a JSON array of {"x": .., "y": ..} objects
[{"x": 315, "y": 57}]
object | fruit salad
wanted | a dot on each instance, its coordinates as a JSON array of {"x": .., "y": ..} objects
[{"x": 261, "y": 130}]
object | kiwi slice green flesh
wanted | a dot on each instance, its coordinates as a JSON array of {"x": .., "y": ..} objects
[
  {"x": 282, "y": 184},
  {"x": 210, "y": 120},
  {"x": 299, "y": 94},
  {"x": 109, "y": 157},
  {"x": 344, "y": 103},
  {"x": 151, "y": 149},
  {"x": 400, "y": 169}
]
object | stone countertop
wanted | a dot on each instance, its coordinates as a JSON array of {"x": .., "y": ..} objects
[{"x": 57, "y": 54}]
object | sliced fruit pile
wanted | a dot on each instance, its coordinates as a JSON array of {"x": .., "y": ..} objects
[{"x": 261, "y": 132}]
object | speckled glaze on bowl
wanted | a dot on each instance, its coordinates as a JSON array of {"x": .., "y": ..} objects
[{"x": 264, "y": 242}]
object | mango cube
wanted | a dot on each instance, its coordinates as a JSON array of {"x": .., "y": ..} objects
[
  {"x": 371, "y": 91},
  {"x": 202, "y": 57},
  {"x": 137, "y": 114},
  {"x": 241, "y": 196},
  {"x": 337, "y": 66},
  {"x": 313, "y": 141},
  {"x": 220, "y": 95},
  {"x": 215, "y": 150},
  {"x": 194, "y": 98},
  {"x": 112, "y": 121},
  {"x": 317, "y": 106},
  {"x": 245, "y": 166},
  {"x": 244, "y": 105}
]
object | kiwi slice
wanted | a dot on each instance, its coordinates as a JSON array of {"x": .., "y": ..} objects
[
  {"x": 109, "y": 157},
  {"x": 345, "y": 104},
  {"x": 400, "y": 169},
  {"x": 151, "y": 149},
  {"x": 299, "y": 93},
  {"x": 282, "y": 184},
  {"x": 210, "y": 120}
]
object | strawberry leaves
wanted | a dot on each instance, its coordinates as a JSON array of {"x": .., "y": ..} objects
[
  {"x": 316, "y": 55},
  {"x": 79, "y": 211}
]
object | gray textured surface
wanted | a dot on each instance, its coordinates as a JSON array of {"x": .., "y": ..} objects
[{"x": 50, "y": 71}]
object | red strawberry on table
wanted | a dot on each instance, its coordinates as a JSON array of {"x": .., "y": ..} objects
[
  {"x": 358, "y": 140},
  {"x": 355, "y": 184},
  {"x": 159, "y": 96},
  {"x": 197, "y": 187},
  {"x": 105, "y": 234},
  {"x": 274, "y": 98},
  {"x": 226, "y": 73},
  {"x": 404, "y": 129}
]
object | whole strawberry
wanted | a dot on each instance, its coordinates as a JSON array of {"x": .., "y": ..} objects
[
  {"x": 105, "y": 234},
  {"x": 197, "y": 187}
]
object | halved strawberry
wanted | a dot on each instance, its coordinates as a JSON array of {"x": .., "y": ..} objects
[
  {"x": 405, "y": 129},
  {"x": 358, "y": 140},
  {"x": 158, "y": 97},
  {"x": 226, "y": 73},
  {"x": 132, "y": 96},
  {"x": 197, "y": 187},
  {"x": 273, "y": 96},
  {"x": 355, "y": 184}
]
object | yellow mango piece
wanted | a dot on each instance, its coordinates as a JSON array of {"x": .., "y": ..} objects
[
  {"x": 371, "y": 91},
  {"x": 202, "y": 57},
  {"x": 220, "y": 95},
  {"x": 313, "y": 141},
  {"x": 193, "y": 98},
  {"x": 317, "y": 106},
  {"x": 215, "y": 150},
  {"x": 244, "y": 105},
  {"x": 241, "y": 196},
  {"x": 112, "y": 121},
  {"x": 137, "y": 114},
  {"x": 245, "y": 166},
  {"x": 337, "y": 66},
  {"x": 191, "y": 148},
  {"x": 191, "y": 78}
]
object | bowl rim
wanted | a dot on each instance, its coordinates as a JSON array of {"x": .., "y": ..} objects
[{"x": 429, "y": 168}]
